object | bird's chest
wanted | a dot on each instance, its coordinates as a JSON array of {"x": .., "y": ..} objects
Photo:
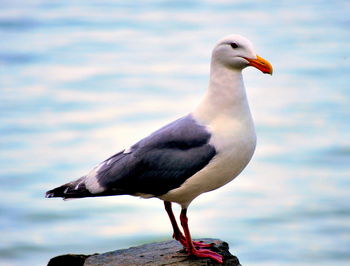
[{"x": 234, "y": 141}]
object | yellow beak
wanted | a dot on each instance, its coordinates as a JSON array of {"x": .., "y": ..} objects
[{"x": 261, "y": 64}]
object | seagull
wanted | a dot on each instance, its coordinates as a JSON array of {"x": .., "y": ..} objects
[{"x": 194, "y": 154}]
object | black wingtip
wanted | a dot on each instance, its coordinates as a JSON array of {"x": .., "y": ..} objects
[
  {"x": 58, "y": 192},
  {"x": 75, "y": 189},
  {"x": 49, "y": 194}
]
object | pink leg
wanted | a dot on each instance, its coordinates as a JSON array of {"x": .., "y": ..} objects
[
  {"x": 203, "y": 253},
  {"x": 177, "y": 232}
]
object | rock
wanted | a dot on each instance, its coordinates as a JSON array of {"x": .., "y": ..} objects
[
  {"x": 68, "y": 260},
  {"x": 155, "y": 254}
]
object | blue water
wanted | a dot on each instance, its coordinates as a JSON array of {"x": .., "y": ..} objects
[{"x": 80, "y": 80}]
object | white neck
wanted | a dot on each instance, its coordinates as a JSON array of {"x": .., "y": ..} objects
[{"x": 225, "y": 96}]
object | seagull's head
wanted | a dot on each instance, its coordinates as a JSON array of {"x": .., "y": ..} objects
[{"x": 237, "y": 52}]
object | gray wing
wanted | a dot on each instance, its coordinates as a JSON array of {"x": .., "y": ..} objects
[{"x": 159, "y": 162}]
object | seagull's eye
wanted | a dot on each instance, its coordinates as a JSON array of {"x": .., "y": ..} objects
[{"x": 234, "y": 45}]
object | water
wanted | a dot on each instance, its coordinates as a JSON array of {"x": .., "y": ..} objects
[{"x": 81, "y": 80}]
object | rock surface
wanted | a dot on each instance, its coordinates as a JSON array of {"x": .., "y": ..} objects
[
  {"x": 153, "y": 254},
  {"x": 68, "y": 260}
]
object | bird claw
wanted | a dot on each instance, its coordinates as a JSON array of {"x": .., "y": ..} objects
[
  {"x": 205, "y": 253},
  {"x": 199, "y": 249},
  {"x": 200, "y": 244},
  {"x": 197, "y": 244}
]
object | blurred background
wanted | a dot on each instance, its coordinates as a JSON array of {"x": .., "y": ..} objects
[{"x": 81, "y": 80}]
